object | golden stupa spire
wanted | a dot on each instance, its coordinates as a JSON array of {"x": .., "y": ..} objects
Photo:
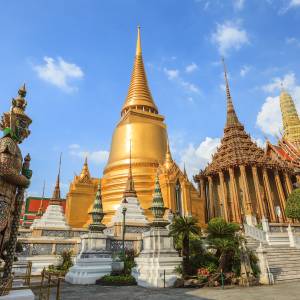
[
  {"x": 130, "y": 190},
  {"x": 290, "y": 118},
  {"x": 232, "y": 119},
  {"x": 139, "y": 95},
  {"x": 85, "y": 175},
  {"x": 56, "y": 192},
  {"x": 168, "y": 160}
]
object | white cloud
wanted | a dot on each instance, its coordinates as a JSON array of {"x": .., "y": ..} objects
[
  {"x": 238, "y": 4},
  {"x": 288, "y": 82},
  {"x": 228, "y": 36},
  {"x": 292, "y": 41},
  {"x": 59, "y": 73},
  {"x": 96, "y": 157},
  {"x": 191, "y": 68},
  {"x": 269, "y": 118},
  {"x": 245, "y": 70},
  {"x": 294, "y": 3},
  {"x": 196, "y": 158},
  {"x": 174, "y": 75},
  {"x": 289, "y": 5},
  {"x": 259, "y": 142}
]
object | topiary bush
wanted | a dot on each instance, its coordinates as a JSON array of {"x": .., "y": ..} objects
[
  {"x": 120, "y": 280},
  {"x": 292, "y": 209}
]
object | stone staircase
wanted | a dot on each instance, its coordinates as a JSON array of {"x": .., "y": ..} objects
[{"x": 284, "y": 261}]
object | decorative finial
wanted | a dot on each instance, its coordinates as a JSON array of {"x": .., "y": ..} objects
[
  {"x": 130, "y": 190},
  {"x": 168, "y": 159},
  {"x": 232, "y": 119},
  {"x": 22, "y": 91},
  {"x": 184, "y": 170},
  {"x": 85, "y": 176},
  {"x": 158, "y": 208},
  {"x": 138, "y": 42},
  {"x": 40, "y": 210},
  {"x": 56, "y": 193}
]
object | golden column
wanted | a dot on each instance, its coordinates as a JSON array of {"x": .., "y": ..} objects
[
  {"x": 281, "y": 194},
  {"x": 236, "y": 212},
  {"x": 246, "y": 199},
  {"x": 225, "y": 196},
  {"x": 269, "y": 195},
  {"x": 261, "y": 205},
  {"x": 211, "y": 198},
  {"x": 203, "y": 196},
  {"x": 288, "y": 182}
]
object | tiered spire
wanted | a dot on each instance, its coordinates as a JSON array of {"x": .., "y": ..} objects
[
  {"x": 139, "y": 95},
  {"x": 236, "y": 147},
  {"x": 290, "y": 118},
  {"x": 85, "y": 176},
  {"x": 130, "y": 190},
  {"x": 97, "y": 213},
  {"x": 56, "y": 193},
  {"x": 158, "y": 207},
  {"x": 232, "y": 119},
  {"x": 40, "y": 210}
]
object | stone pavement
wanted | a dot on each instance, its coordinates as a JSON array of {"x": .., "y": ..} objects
[{"x": 284, "y": 291}]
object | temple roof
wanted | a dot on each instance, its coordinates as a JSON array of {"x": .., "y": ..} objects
[
  {"x": 139, "y": 94},
  {"x": 236, "y": 147}
]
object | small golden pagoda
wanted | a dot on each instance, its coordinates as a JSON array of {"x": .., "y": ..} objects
[
  {"x": 243, "y": 184},
  {"x": 141, "y": 129}
]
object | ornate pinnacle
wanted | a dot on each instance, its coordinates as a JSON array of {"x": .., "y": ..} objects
[
  {"x": 97, "y": 213},
  {"x": 168, "y": 160},
  {"x": 158, "y": 208},
  {"x": 232, "y": 119},
  {"x": 85, "y": 175},
  {"x": 138, "y": 42},
  {"x": 130, "y": 190},
  {"x": 56, "y": 193}
]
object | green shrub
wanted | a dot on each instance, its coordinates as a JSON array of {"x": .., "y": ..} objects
[
  {"x": 292, "y": 209},
  {"x": 65, "y": 263},
  {"x": 116, "y": 280}
]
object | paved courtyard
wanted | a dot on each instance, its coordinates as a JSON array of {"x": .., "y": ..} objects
[{"x": 286, "y": 291}]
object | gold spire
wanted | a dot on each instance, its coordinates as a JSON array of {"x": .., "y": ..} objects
[
  {"x": 85, "y": 175},
  {"x": 56, "y": 192},
  {"x": 139, "y": 95},
  {"x": 184, "y": 171},
  {"x": 232, "y": 119},
  {"x": 290, "y": 118},
  {"x": 130, "y": 190},
  {"x": 168, "y": 160}
]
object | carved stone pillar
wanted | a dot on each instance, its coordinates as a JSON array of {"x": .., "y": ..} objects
[
  {"x": 236, "y": 210},
  {"x": 288, "y": 182},
  {"x": 225, "y": 196},
  {"x": 211, "y": 198},
  {"x": 281, "y": 194},
  {"x": 269, "y": 195},
  {"x": 261, "y": 205}
]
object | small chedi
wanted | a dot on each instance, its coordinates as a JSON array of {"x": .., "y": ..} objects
[
  {"x": 136, "y": 221},
  {"x": 54, "y": 216},
  {"x": 95, "y": 258},
  {"x": 156, "y": 264},
  {"x": 14, "y": 179},
  {"x": 242, "y": 183}
]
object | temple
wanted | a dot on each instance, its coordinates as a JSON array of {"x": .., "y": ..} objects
[
  {"x": 142, "y": 129},
  {"x": 242, "y": 183}
]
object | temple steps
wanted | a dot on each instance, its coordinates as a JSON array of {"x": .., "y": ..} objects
[{"x": 284, "y": 261}]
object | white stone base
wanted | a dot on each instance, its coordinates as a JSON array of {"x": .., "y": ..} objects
[
  {"x": 93, "y": 262},
  {"x": 19, "y": 295},
  {"x": 40, "y": 261},
  {"x": 88, "y": 270},
  {"x": 251, "y": 220},
  {"x": 157, "y": 261}
]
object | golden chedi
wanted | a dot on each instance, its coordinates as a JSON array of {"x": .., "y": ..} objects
[{"x": 142, "y": 127}]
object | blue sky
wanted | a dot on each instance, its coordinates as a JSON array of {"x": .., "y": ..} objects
[{"x": 76, "y": 59}]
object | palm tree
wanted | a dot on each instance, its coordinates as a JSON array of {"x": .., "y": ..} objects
[
  {"x": 182, "y": 228},
  {"x": 223, "y": 237}
]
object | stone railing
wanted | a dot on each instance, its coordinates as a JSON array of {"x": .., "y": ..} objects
[{"x": 255, "y": 233}]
